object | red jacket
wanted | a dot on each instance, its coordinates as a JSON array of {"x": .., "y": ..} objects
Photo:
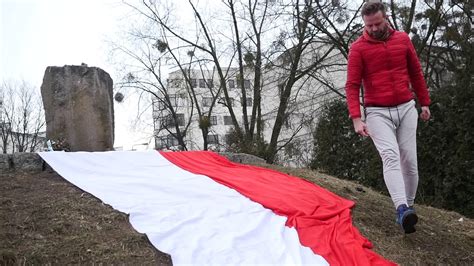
[{"x": 386, "y": 69}]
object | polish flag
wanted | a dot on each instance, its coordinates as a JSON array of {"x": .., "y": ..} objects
[{"x": 203, "y": 209}]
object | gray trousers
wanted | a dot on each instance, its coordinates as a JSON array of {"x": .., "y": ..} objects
[{"x": 393, "y": 131}]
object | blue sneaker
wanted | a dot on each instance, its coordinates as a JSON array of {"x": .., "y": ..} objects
[{"x": 407, "y": 218}]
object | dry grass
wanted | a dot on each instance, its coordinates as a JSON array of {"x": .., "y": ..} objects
[
  {"x": 442, "y": 237},
  {"x": 46, "y": 220}
]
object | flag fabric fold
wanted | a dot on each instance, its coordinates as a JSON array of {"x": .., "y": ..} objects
[
  {"x": 203, "y": 209},
  {"x": 189, "y": 216},
  {"x": 321, "y": 218}
]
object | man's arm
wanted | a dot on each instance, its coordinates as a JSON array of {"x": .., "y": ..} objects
[
  {"x": 354, "y": 78},
  {"x": 416, "y": 75}
]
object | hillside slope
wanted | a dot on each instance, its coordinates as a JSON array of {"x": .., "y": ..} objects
[
  {"x": 442, "y": 237},
  {"x": 45, "y": 219}
]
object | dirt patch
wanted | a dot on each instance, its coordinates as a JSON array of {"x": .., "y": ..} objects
[{"x": 46, "y": 220}]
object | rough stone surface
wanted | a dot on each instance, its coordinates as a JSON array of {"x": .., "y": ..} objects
[
  {"x": 5, "y": 162},
  {"x": 27, "y": 161},
  {"x": 22, "y": 162},
  {"x": 243, "y": 158},
  {"x": 78, "y": 103}
]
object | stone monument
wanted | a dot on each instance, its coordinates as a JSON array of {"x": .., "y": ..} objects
[{"x": 78, "y": 103}]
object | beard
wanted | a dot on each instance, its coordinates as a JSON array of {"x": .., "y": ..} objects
[{"x": 381, "y": 34}]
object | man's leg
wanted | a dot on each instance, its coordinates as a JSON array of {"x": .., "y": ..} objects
[
  {"x": 382, "y": 131},
  {"x": 406, "y": 135}
]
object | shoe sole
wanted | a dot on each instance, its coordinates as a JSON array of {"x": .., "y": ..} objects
[{"x": 409, "y": 222}]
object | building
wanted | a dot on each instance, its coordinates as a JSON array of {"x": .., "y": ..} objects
[
  {"x": 209, "y": 98},
  {"x": 303, "y": 107}
]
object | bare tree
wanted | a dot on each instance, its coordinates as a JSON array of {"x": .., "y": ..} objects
[
  {"x": 146, "y": 77},
  {"x": 440, "y": 32},
  {"x": 169, "y": 95},
  {"x": 21, "y": 118},
  {"x": 276, "y": 44},
  {"x": 304, "y": 37}
]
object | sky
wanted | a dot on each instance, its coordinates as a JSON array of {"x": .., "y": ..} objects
[{"x": 36, "y": 34}]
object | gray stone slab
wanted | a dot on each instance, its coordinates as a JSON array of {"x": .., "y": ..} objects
[{"x": 78, "y": 103}]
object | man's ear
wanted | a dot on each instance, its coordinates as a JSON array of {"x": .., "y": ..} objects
[{"x": 389, "y": 23}]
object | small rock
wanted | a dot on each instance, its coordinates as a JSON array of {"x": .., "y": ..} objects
[
  {"x": 38, "y": 236},
  {"x": 242, "y": 158},
  {"x": 27, "y": 161},
  {"x": 461, "y": 220}
]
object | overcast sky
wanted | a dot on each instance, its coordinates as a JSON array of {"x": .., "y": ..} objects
[{"x": 40, "y": 33}]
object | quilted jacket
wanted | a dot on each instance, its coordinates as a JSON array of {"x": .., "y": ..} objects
[{"x": 386, "y": 68}]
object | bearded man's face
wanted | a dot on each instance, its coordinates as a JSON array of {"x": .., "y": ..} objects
[{"x": 376, "y": 25}]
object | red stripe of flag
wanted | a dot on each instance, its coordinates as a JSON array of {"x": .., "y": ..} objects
[{"x": 321, "y": 218}]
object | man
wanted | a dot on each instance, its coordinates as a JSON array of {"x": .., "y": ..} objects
[{"x": 385, "y": 61}]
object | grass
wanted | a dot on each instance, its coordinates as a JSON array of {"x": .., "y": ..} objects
[{"x": 46, "y": 220}]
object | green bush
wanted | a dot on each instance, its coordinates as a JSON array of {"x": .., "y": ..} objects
[
  {"x": 257, "y": 147},
  {"x": 339, "y": 151},
  {"x": 446, "y": 149}
]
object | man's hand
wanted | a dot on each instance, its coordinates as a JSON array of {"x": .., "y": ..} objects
[
  {"x": 425, "y": 113},
  {"x": 360, "y": 127}
]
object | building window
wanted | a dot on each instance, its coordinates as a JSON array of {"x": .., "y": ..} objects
[
  {"x": 223, "y": 102},
  {"x": 246, "y": 84},
  {"x": 249, "y": 117},
  {"x": 213, "y": 139},
  {"x": 213, "y": 120},
  {"x": 173, "y": 100},
  {"x": 174, "y": 83},
  {"x": 206, "y": 101},
  {"x": 231, "y": 84},
  {"x": 202, "y": 83},
  {"x": 168, "y": 121},
  {"x": 193, "y": 83},
  {"x": 172, "y": 141},
  {"x": 177, "y": 100},
  {"x": 249, "y": 101},
  {"x": 286, "y": 121},
  {"x": 161, "y": 142},
  {"x": 167, "y": 141},
  {"x": 155, "y": 114},
  {"x": 210, "y": 84},
  {"x": 161, "y": 105},
  {"x": 180, "y": 118},
  {"x": 227, "y": 120}
]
